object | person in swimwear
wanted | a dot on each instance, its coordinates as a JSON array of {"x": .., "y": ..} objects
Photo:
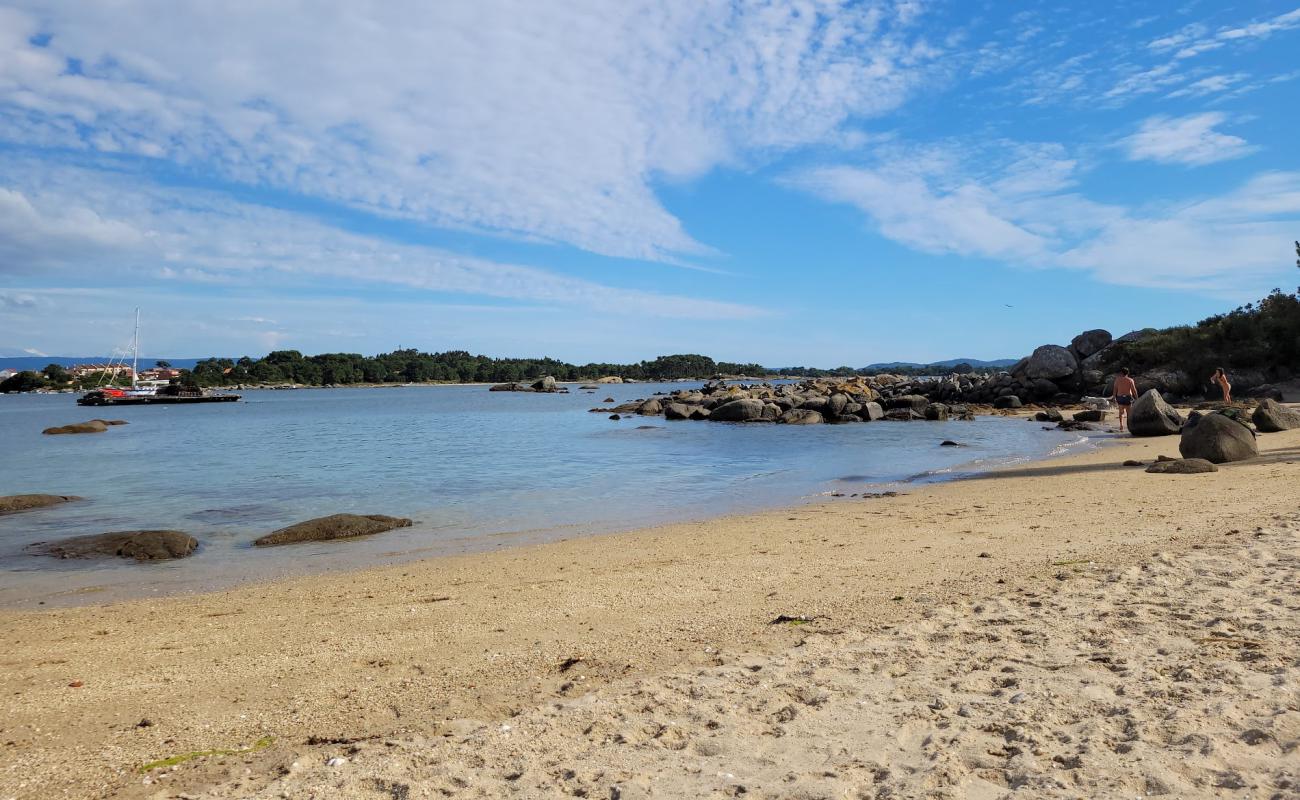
[
  {"x": 1124, "y": 393},
  {"x": 1220, "y": 379}
]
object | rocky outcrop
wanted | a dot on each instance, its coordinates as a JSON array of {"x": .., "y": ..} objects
[
  {"x": 1217, "y": 438},
  {"x": 15, "y": 503},
  {"x": 1182, "y": 466},
  {"x": 546, "y": 385},
  {"x": 93, "y": 426},
  {"x": 609, "y": 379},
  {"x": 335, "y": 526},
  {"x": 1273, "y": 417},
  {"x": 162, "y": 545},
  {"x": 1150, "y": 415}
]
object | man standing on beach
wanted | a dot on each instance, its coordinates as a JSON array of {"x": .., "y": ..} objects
[{"x": 1124, "y": 393}]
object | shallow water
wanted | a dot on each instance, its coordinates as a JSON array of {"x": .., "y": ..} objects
[{"x": 475, "y": 469}]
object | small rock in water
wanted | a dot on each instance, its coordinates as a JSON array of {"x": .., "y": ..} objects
[
  {"x": 615, "y": 416},
  {"x": 950, "y": 443}
]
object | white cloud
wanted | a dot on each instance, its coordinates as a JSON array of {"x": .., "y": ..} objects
[
  {"x": 68, "y": 218},
  {"x": 1190, "y": 140},
  {"x": 547, "y": 120},
  {"x": 1196, "y": 38},
  {"x": 1211, "y": 85},
  {"x": 1236, "y": 244}
]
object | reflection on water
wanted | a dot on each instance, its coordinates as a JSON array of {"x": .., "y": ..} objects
[{"x": 475, "y": 469}]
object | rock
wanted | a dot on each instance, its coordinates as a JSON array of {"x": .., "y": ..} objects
[
  {"x": 1043, "y": 388},
  {"x": 1273, "y": 417},
  {"x": 902, "y": 415},
  {"x": 1132, "y": 462},
  {"x": 93, "y": 426},
  {"x": 607, "y": 400},
  {"x": 140, "y": 545},
  {"x": 615, "y": 416},
  {"x": 1051, "y": 415},
  {"x": 1182, "y": 466},
  {"x": 1217, "y": 439},
  {"x": 1091, "y": 415},
  {"x": 1072, "y": 425},
  {"x": 950, "y": 443},
  {"x": 111, "y": 422},
  {"x": 1008, "y": 401},
  {"x": 508, "y": 387},
  {"x": 15, "y": 503},
  {"x": 335, "y": 526},
  {"x": 913, "y": 401},
  {"x": 609, "y": 379},
  {"x": 871, "y": 411},
  {"x": 836, "y": 403},
  {"x": 678, "y": 411},
  {"x": 801, "y": 416},
  {"x": 700, "y": 412},
  {"x": 1090, "y": 343},
  {"x": 546, "y": 384},
  {"x": 936, "y": 412},
  {"x": 1166, "y": 381},
  {"x": 1150, "y": 415},
  {"x": 816, "y": 403},
  {"x": 650, "y": 408},
  {"x": 744, "y": 410},
  {"x": 1051, "y": 361}
]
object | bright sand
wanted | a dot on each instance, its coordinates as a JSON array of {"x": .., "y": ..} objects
[{"x": 1071, "y": 628}]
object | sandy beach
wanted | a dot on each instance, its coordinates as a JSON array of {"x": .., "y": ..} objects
[{"x": 1070, "y": 628}]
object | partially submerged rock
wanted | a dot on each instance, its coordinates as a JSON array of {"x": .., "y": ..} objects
[
  {"x": 91, "y": 426},
  {"x": 15, "y": 503},
  {"x": 1217, "y": 438},
  {"x": 335, "y": 526},
  {"x": 160, "y": 545},
  {"x": 1152, "y": 416},
  {"x": 1181, "y": 466},
  {"x": 1273, "y": 417}
]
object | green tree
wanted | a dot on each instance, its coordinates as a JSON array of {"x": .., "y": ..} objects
[{"x": 56, "y": 374}]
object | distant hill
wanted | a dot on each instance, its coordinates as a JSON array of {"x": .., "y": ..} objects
[
  {"x": 38, "y": 363},
  {"x": 1000, "y": 363}
]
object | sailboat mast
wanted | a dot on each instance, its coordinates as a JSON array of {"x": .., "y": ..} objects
[{"x": 135, "y": 348}]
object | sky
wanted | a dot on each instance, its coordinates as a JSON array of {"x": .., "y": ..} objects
[{"x": 789, "y": 183}]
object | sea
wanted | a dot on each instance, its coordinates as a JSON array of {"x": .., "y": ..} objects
[{"x": 476, "y": 471}]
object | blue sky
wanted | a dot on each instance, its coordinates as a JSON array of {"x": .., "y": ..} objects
[{"x": 816, "y": 183}]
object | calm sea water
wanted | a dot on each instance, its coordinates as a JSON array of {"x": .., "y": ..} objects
[{"x": 475, "y": 469}]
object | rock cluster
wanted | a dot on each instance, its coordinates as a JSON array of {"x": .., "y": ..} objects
[
  {"x": 546, "y": 385},
  {"x": 90, "y": 426},
  {"x": 809, "y": 403}
]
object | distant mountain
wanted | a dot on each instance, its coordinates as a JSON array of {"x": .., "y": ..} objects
[
  {"x": 1000, "y": 363},
  {"x": 38, "y": 363}
]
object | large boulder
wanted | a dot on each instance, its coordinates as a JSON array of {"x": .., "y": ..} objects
[
  {"x": 650, "y": 408},
  {"x": 546, "y": 384},
  {"x": 93, "y": 426},
  {"x": 14, "y": 503},
  {"x": 1273, "y": 417},
  {"x": 678, "y": 411},
  {"x": 1182, "y": 466},
  {"x": 915, "y": 402},
  {"x": 871, "y": 411},
  {"x": 609, "y": 379},
  {"x": 1090, "y": 415},
  {"x": 1090, "y": 343},
  {"x": 335, "y": 526},
  {"x": 743, "y": 410},
  {"x": 936, "y": 412},
  {"x": 801, "y": 416},
  {"x": 140, "y": 545},
  {"x": 1150, "y": 415},
  {"x": 1217, "y": 439},
  {"x": 1008, "y": 401},
  {"x": 1051, "y": 361},
  {"x": 1165, "y": 381}
]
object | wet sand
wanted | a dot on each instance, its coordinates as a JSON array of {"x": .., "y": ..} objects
[{"x": 647, "y": 639}]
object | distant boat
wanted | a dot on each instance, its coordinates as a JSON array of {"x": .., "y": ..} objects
[{"x": 150, "y": 393}]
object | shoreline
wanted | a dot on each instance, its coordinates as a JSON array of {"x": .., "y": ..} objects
[{"x": 406, "y": 650}]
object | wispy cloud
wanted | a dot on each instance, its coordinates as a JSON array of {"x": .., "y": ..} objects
[
  {"x": 1231, "y": 244},
  {"x": 61, "y": 219},
  {"x": 1196, "y": 38},
  {"x": 1190, "y": 140},
  {"x": 545, "y": 120}
]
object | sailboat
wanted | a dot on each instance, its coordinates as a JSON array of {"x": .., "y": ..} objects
[{"x": 138, "y": 394}]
